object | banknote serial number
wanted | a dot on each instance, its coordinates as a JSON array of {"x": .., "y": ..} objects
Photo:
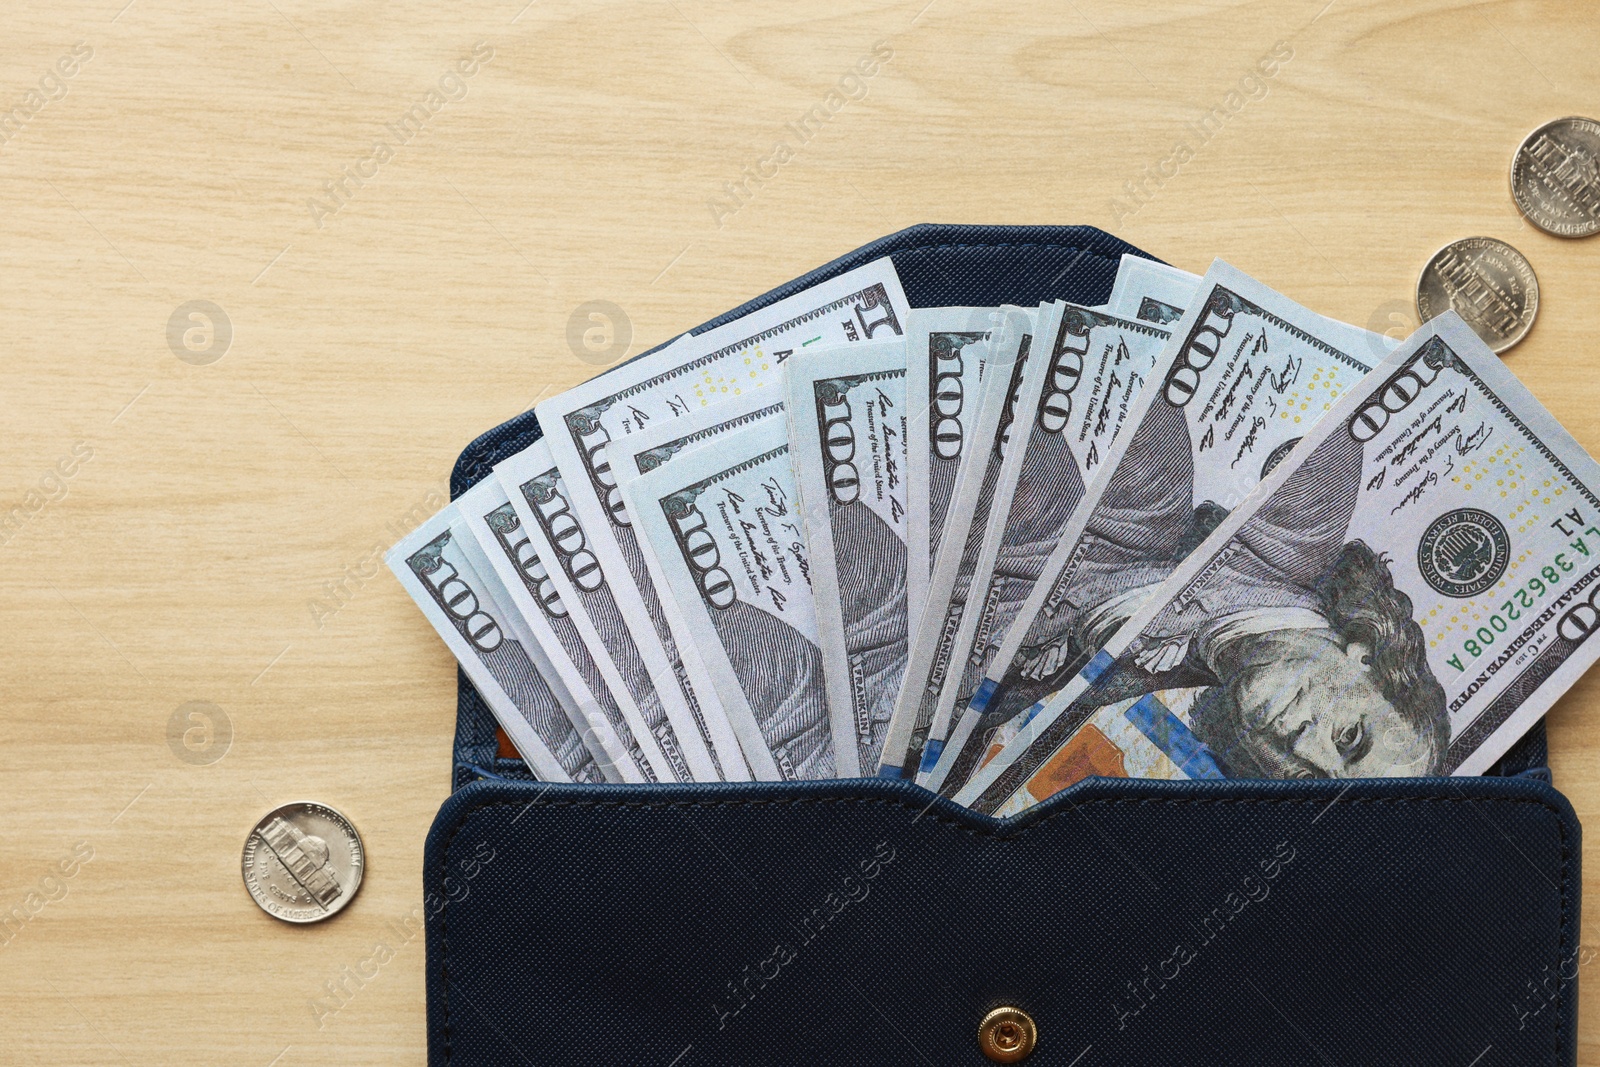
[{"x": 1523, "y": 598}]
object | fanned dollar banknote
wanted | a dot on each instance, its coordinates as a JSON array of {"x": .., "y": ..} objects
[
  {"x": 724, "y": 524},
  {"x": 488, "y": 515},
  {"x": 946, "y": 349},
  {"x": 1404, "y": 595},
  {"x": 539, "y": 496},
  {"x": 1154, "y": 292},
  {"x": 649, "y": 450},
  {"x": 1151, "y": 291},
  {"x": 451, "y": 580},
  {"x": 1085, "y": 376},
  {"x": 934, "y": 632},
  {"x": 847, "y": 435},
  {"x": 1245, "y": 373},
  {"x": 694, "y": 371}
]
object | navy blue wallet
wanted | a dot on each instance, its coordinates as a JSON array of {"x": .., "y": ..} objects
[{"x": 1410, "y": 921}]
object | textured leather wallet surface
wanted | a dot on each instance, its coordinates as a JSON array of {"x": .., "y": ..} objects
[
  {"x": 1420, "y": 921},
  {"x": 1138, "y": 922}
]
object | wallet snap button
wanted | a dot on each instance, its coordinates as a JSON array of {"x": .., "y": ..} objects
[{"x": 1007, "y": 1035}]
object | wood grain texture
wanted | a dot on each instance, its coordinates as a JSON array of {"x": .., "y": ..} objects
[{"x": 183, "y": 559}]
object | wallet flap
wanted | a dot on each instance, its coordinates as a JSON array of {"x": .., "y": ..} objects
[{"x": 1425, "y": 921}]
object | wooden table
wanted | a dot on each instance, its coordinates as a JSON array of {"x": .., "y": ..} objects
[{"x": 197, "y": 505}]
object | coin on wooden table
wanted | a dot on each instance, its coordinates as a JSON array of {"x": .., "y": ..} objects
[
  {"x": 303, "y": 862},
  {"x": 1555, "y": 177},
  {"x": 1488, "y": 283}
]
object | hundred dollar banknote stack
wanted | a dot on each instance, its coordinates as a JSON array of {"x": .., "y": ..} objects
[{"x": 1197, "y": 532}]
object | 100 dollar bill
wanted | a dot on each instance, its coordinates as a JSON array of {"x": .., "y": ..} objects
[
  {"x": 946, "y": 349},
  {"x": 1088, "y": 369},
  {"x": 1151, "y": 291},
  {"x": 847, "y": 440},
  {"x": 724, "y": 526},
  {"x": 934, "y": 631},
  {"x": 444, "y": 571},
  {"x": 691, "y": 373},
  {"x": 488, "y": 516},
  {"x": 651, "y": 449},
  {"x": 1405, "y": 595},
  {"x": 1244, "y": 375},
  {"x": 539, "y": 496}
]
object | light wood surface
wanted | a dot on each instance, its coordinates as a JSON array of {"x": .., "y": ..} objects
[{"x": 181, "y": 560}]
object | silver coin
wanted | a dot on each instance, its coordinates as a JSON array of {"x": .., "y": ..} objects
[
  {"x": 1555, "y": 177},
  {"x": 1488, "y": 283},
  {"x": 303, "y": 862}
]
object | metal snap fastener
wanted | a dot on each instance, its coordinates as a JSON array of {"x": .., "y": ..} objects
[{"x": 1007, "y": 1035}]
